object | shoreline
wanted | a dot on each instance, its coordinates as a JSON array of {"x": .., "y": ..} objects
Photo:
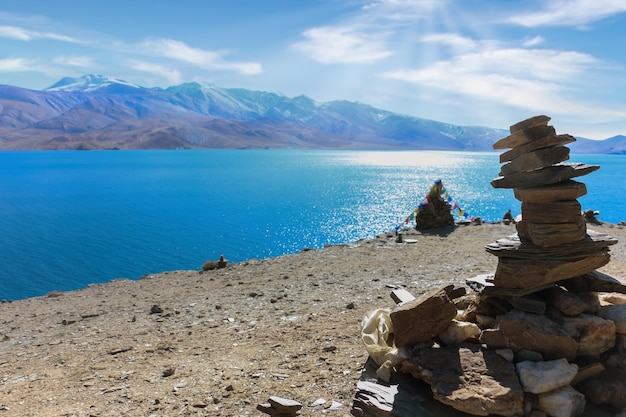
[{"x": 219, "y": 342}]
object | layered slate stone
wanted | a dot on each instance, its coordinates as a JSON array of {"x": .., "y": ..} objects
[
  {"x": 548, "y": 175},
  {"x": 560, "y": 191},
  {"x": 519, "y": 330},
  {"x": 519, "y": 273},
  {"x": 595, "y": 281},
  {"x": 548, "y": 235},
  {"x": 469, "y": 378},
  {"x": 522, "y": 137},
  {"x": 540, "y": 120},
  {"x": 513, "y": 247},
  {"x": 536, "y": 159},
  {"x": 547, "y": 142}
]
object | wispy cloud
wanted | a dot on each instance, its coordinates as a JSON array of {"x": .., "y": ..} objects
[
  {"x": 570, "y": 13},
  {"x": 342, "y": 45},
  {"x": 73, "y": 61},
  {"x": 403, "y": 10},
  {"x": 173, "y": 76},
  {"x": 17, "y": 64},
  {"x": 211, "y": 60},
  {"x": 532, "y": 79},
  {"x": 26, "y": 35}
]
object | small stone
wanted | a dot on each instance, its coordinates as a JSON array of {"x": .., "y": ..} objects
[
  {"x": 562, "y": 402},
  {"x": 156, "y": 309},
  {"x": 284, "y": 404},
  {"x": 540, "y": 377},
  {"x": 617, "y": 314}
]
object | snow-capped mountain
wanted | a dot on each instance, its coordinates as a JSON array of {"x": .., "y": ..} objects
[
  {"x": 99, "y": 112},
  {"x": 91, "y": 83}
]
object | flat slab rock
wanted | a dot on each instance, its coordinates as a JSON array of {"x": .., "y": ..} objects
[
  {"x": 549, "y": 175},
  {"x": 513, "y": 247},
  {"x": 469, "y": 378}
]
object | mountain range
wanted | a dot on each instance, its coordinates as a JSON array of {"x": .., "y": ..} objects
[{"x": 98, "y": 112}]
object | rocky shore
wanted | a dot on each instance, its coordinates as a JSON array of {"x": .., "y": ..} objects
[{"x": 223, "y": 341}]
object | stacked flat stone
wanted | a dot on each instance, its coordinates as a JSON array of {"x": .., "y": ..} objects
[
  {"x": 434, "y": 214},
  {"x": 553, "y": 232}
]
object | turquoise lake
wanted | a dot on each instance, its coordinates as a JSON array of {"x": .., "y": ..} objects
[{"x": 69, "y": 218}]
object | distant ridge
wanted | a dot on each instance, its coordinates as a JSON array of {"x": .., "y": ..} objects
[{"x": 100, "y": 112}]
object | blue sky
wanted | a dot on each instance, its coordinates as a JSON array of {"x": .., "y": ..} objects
[{"x": 467, "y": 62}]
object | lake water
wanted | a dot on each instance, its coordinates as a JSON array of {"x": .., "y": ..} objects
[{"x": 68, "y": 219}]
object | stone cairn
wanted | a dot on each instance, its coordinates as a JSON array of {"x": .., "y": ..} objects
[
  {"x": 545, "y": 335},
  {"x": 437, "y": 213}
]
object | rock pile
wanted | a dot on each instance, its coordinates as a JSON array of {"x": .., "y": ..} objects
[
  {"x": 437, "y": 213},
  {"x": 545, "y": 335}
]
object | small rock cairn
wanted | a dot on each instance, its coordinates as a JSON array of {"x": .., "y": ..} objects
[{"x": 545, "y": 335}]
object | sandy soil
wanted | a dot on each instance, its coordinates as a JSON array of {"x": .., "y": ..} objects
[{"x": 218, "y": 343}]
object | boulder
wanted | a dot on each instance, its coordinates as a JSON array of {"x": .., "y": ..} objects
[{"x": 422, "y": 319}]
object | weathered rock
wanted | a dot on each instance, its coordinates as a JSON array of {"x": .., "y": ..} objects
[
  {"x": 513, "y": 247},
  {"x": 529, "y": 304},
  {"x": 539, "y": 158},
  {"x": 519, "y": 330},
  {"x": 458, "y": 332},
  {"x": 483, "y": 285},
  {"x": 566, "y": 302},
  {"x": 617, "y": 314},
  {"x": 609, "y": 387},
  {"x": 549, "y": 175},
  {"x": 562, "y": 402},
  {"x": 593, "y": 334},
  {"x": 539, "y": 377},
  {"x": 550, "y": 235},
  {"x": 422, "y": 319},
  {"x": 521, "y": 137},
  {"x": 545, "y": 142},
  {"x": 285, "y": 405},
  {"x": 564, "y": 190},
  {"x": 469, "y": 378},
  {"x": 594, "y": 281},
  {"x": 567, "y": 211},
  {"x": 519, "y": 273},
  {"x": 540, "y": 120}
]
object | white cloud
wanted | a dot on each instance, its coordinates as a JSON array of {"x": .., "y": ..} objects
[
  {"x": 73, "y": 61},
  {"x": 202, "y": 58},
  {"x": 20, "y": 34},
  {"x": 172, "y": 76},
  {"x": 570, "y": 13},
  {"x": 403, "y": 10},
  {"x": 342, "y": 45},
  {"x": 16, "y": 64},
  {"x": 540, "y": 80}
]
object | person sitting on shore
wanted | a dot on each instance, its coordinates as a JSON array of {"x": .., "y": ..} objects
[{"x": 508, "y": 217}]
